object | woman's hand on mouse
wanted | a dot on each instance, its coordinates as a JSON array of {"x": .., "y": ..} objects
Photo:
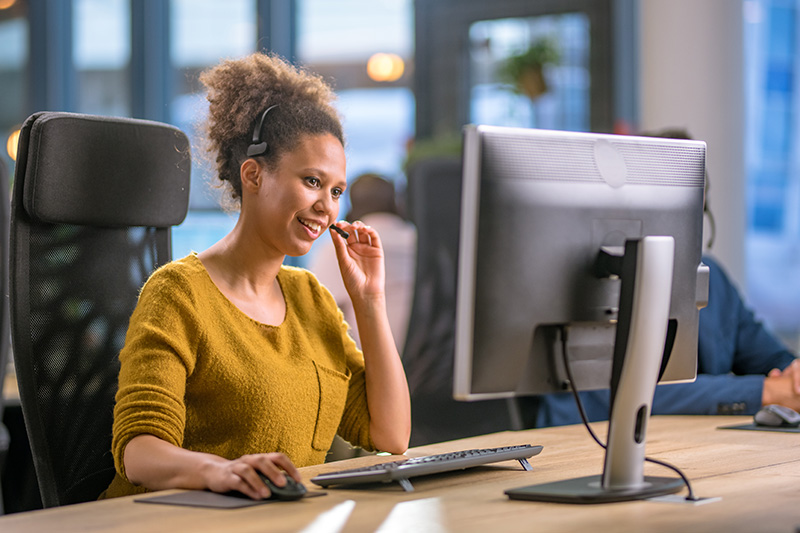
[
  {"x": 157, "y": 464},
  {"x": 242, "y": 474}
]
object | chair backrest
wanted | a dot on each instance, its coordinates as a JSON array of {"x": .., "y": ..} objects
[
  {"x": 5, "y": 340},
  {"x": 92, "y": 205},
  {"x": 5, "y": 335},
  {"x": 434, "y": 206}
]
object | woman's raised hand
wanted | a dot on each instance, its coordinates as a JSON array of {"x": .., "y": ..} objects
[{"x": 361, "y": 260}]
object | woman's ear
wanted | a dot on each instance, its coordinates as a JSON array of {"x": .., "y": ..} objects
[{"x": 250, "y": 174}]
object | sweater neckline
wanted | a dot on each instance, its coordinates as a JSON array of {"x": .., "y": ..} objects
[{"x": 232, "y": 305}]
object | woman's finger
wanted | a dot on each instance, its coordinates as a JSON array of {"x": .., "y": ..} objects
[{"x": 249, "y": 482}]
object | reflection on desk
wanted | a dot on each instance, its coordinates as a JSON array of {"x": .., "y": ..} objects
[{"x": 755, "y": 473}]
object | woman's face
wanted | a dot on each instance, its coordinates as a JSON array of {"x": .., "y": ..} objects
[{"x": 297, "y": 201}]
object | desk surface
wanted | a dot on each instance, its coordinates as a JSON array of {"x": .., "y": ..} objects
[{"x": 757, "y": 475}]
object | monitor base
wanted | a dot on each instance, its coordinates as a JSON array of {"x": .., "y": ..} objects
[{"x": 589, "y": 490}]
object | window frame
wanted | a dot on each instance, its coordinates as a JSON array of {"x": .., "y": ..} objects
[{"x": 441, "y": 81}]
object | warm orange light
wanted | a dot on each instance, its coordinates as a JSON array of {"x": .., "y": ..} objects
[
  {"x": 11, "y": 144},
  {"x": 5, "y": 4},
  {"x": 385, "y": 67}
]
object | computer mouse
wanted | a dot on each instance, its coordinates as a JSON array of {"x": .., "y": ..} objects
[
  {"x": 777, "y": 416},
  {"x": 293, "y": 490}
]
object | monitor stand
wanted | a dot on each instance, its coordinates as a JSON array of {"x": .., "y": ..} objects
[{"x": 646, "y": 273}]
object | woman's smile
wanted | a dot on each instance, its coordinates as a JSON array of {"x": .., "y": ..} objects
[{"x": 313, "y": 227}]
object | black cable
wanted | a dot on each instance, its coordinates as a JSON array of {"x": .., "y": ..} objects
[
  {"x": 690, "y": 497},
  {"x": 574, "y": 389}
]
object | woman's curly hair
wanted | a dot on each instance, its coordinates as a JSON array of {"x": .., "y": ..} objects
[{"x": 239, "y": 90}]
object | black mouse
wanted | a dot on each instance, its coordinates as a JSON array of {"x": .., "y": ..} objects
[
  {"x": 777, "y": 416},
  {"x": 293, "y": 490}
]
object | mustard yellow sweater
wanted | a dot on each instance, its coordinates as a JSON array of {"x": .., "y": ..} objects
[{"x": 200, "y": 374}]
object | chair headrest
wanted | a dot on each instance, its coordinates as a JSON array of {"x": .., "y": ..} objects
[{"x": 103, "y": 171}]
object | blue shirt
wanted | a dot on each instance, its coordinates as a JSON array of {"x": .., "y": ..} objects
[{"x": 735, "y": 353}]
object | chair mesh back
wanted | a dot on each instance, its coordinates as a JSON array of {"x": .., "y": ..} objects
[{"x": 84, "y": 285}]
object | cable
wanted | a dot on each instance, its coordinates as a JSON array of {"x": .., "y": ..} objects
[
  {"x": 574, "y": 389},
  {"x": 575, "y": 394},
  {"x": 690, "y": 497}
]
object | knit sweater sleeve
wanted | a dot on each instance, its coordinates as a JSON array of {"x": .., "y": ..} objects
[{"x": 156, "y": 360}]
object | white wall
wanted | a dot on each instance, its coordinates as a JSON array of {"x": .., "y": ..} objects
[{"x": 691, "y": 76}]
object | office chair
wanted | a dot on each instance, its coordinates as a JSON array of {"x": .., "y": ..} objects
[
  {"x": 434, "y": 206},
  {"x": 93, "y": 202},
  {"x": 5, "y": 340}
]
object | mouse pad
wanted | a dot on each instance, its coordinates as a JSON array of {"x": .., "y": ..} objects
[
  {"x": 755, "y": 427},
  {"x": 204, "y": 498}
]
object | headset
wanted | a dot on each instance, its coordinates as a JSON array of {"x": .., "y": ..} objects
[{"x": 257, "y": 147}]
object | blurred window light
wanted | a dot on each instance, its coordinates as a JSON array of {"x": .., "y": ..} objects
[
  {"x": 204, "y": 31},
  {"x": 353, "y": 29},
  {"x": 14, "y": 72},
  {"x": 102, "y": 36},
  {"x": 772, "y": 242},
  {"x": 101, "y": 50},
  {"x": 13, "y": 43},
  {"x": 337, "y": 40}
]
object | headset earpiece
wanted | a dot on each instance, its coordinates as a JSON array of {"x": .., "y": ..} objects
[{"x": 258, "y": 147}]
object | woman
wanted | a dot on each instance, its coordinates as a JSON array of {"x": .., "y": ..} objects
[{"x": 233, "y": 363}]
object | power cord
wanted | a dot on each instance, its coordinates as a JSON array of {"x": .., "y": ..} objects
[{"x": 690, "y": 497}]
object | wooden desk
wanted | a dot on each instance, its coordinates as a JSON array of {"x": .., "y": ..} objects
[{"x": 757, "y": 475}]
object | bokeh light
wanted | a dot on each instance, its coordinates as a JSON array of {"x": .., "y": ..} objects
[
  {"x": 385, "y": 67},
  {"x": 11, "y": 144}
]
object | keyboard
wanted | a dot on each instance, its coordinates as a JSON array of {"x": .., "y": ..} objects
[{"x": 400, "y": 471}]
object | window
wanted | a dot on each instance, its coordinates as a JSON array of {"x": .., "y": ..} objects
[
  {"x": 13, "y": 65},
  {"x": 454, "y": 89},
  {"x": 337, "y": 40},
  {"x": 203, "y": 32},
  {"x": 563, "y": 105},
  {"x": 101, "y": 54},
  {"x": 773, "y": 163}
]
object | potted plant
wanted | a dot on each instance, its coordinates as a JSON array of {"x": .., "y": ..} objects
[{"x": 524, "y": 71}]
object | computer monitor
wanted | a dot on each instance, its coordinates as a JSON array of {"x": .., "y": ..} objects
[{"x": 585, "y": 245}]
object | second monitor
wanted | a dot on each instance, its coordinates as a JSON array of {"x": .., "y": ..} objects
[{"x": 587, "y": 245}]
